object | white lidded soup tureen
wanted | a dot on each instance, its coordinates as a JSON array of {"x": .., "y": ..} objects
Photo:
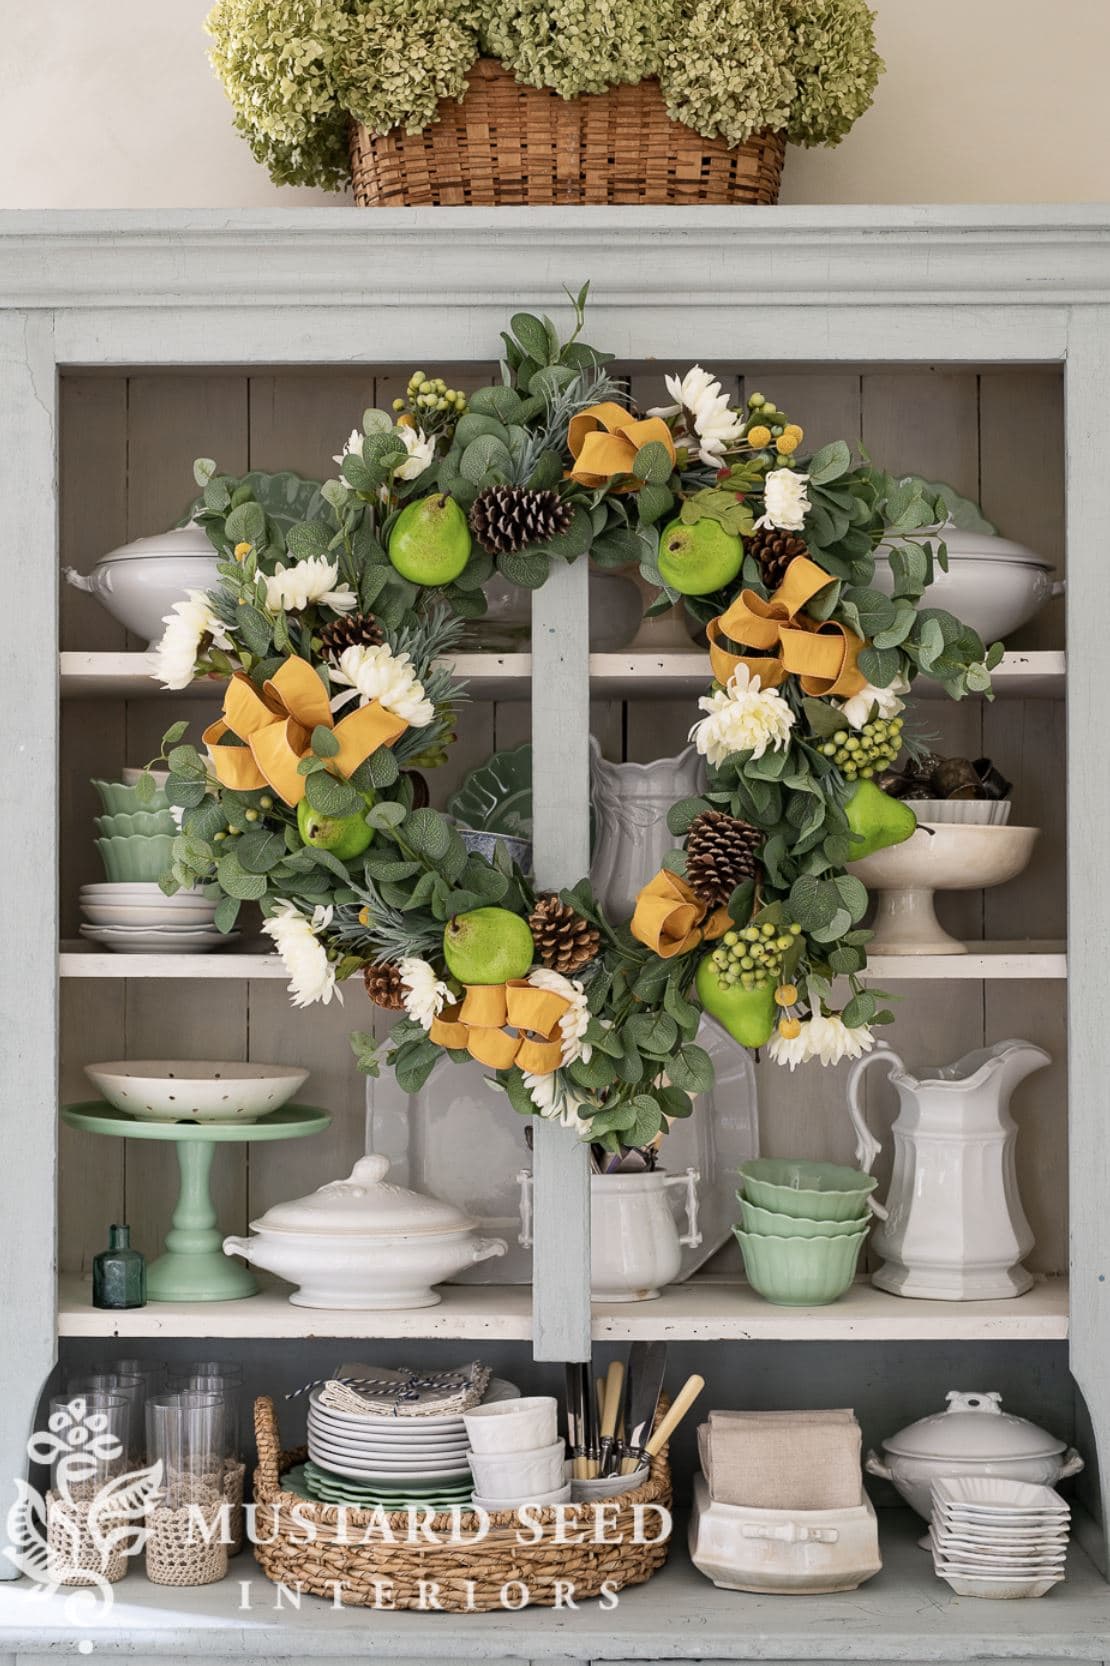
[
  {"x": 363, "y": 1243},
  {"x": 974, "y": 1436}
]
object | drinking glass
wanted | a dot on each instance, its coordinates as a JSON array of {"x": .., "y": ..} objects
[
  {"x": 133, "y": 1390},
  {"x": 90, "y": 1426},
  {"x": 187, "y": 1432}
]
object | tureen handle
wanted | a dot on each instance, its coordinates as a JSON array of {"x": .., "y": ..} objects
[
  {"x": 79, "y": 581},
  {"x": 692, "y": 1237},
  {"x": 867, "y": 1146},
  {"x": 874, "y": 1465},
  {"x": 524, "y": 1236},
  {"x": 1071, "y": 1465},
  {"x": 483, "y": 1248}
]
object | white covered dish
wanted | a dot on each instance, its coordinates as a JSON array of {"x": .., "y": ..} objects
[
  {"x": 992, "y": 584},
  {"x": 363, "y": 1243},
  {"x": 139, "y": 583},
  {"x": 974, "y": 1436},
  {"x": 783, "y": 1551}
]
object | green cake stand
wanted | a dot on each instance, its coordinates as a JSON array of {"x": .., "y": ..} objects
[{"x": 192, "y": 1266}]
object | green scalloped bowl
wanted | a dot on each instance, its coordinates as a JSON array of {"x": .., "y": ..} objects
[
  {"x": 765, "y": 1223},
  {"x": 800, "y": 1272},
  {"x": 146, "y": 823},
  {"x": 803, "y": 1190},
  {"x": 121, "y": 799},
  {"x": 137, "y": 857}
]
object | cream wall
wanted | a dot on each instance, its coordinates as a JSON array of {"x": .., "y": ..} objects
[{"x": 111, "y": 104}]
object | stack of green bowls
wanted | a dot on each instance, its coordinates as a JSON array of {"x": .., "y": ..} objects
[
  {"x": 135, "y": 833},
  {"x": 803, "y": 1226}
]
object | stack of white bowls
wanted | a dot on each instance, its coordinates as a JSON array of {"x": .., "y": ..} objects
[
  {"x": 515, "y": 1455},
  {"x": 136, "y": 917},
  {"x": 1001, "y": 1539}
]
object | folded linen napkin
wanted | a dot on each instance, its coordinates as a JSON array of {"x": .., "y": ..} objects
[
  {"x": 406, "y": 1391},
  {"x": 782, "y": 1460}
]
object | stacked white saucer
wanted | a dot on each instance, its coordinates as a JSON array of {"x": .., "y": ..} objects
[
  {"x": 394, "y": 1450},
  {"x": 136, "y": 917},
  {"x": 993, "y": 1538}
]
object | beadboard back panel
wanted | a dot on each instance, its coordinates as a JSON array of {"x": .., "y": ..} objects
[{"x": 127, "y": 446}]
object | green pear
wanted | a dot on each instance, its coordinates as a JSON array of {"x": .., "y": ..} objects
[
  {"x": 487, "y": 945},
  {"x": 698, "y": 559},
  {"x": 430, "y": 541},
  {"x": 749, "y": 1015},
  {"x": 344, "y": 836},
  {"x": 877, "y": 820}
]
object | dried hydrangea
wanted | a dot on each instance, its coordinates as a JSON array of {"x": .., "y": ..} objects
[
  {"x": 837, "y": 68},
  {"x": 277, "y": 60},
  {"x": 574, "y": 46},
  {"x": 402, "y": 58},
  {"x": 726, "y": 71}
]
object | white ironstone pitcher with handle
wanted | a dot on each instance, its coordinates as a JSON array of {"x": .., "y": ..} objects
[{"x": 952, "y": 1227}]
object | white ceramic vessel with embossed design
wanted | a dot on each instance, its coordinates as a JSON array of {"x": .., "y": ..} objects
[{"x": 630, "y": 809}]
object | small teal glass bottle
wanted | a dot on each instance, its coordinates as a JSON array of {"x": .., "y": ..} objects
[{"x": 119, "y": 1272}]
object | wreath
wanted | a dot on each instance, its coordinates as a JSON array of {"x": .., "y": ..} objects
[{"x": 333, "y": 632}]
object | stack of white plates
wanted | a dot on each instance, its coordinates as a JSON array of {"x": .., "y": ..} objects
[
  {"x": 402, "y": 1451},
  {"x": 138, "y": 918},
  {"x": 998, "y": 1539}
]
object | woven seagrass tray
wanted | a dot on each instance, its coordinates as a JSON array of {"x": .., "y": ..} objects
[
  {"x": 505, "y": 143},
  {"x": 319, "y": 1548}
]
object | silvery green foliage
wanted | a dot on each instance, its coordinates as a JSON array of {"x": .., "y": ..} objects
[{"x": 576, "y": 46}]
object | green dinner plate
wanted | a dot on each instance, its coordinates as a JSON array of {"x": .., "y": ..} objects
[{"x": 308, "y": 1480}]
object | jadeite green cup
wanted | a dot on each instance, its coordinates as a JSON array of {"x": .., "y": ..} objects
[
  {"x": 809, "y": 1191},
  {"x": 136, "y": 857},
  {"x": 767, "y": 1224},
  {"x": 800, "y": 1272}
]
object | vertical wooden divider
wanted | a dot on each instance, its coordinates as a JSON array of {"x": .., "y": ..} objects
[{"x": 561, "y": 846}]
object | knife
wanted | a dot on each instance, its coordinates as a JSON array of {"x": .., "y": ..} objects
[
  {"x": 576, "y": 1432},
  {"x": 611, "y": 1389},
  {"x": 647, "y": 1362}
]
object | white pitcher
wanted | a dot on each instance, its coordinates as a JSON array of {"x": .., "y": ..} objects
[
  {"x": 631, "y": 803},
  {"x": 952, "y": 1228}
]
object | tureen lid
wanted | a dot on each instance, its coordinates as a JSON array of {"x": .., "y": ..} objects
[
  {"x": 973, "y": 1426},
  {"x": 178, "y": 541},
  {"x": 364, "y": 1205}
]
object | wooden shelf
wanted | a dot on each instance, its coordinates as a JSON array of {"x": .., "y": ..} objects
[
  {"x": 624, "y": 676},
  {"x": 1033, "y": 961},
  {"x": 904, "y": 1613},
  {"x": 702, "y": 1310}
]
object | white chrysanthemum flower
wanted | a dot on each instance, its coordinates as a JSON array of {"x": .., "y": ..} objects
[
  {"x": 742, "y": 717},
  {"x": 424, "y": 993},
  {"x": 830, "y": 1039},
  {"x": 785, "y": 500},
  {"x": 380, "y": 674},
  {"x": 790, "y": 1050},
  {"x": 699, "y": 395},
  {"x": 307, "y": 582},
  {"x": 353, "y": 447},
  {"x": 421, "y": 451},
  {"x": 556, "y": 1100},
  {"x": 574, "y": 1022},
  {"x": 886, "y": 702},
  {"x": 297, "y": 939},
  {"x": 187, "y": 624}
]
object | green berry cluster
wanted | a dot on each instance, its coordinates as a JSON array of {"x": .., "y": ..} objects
[
  {"x": 752, "y": 956},
  {"x": 861, "y": 753},
  {"x": 429, "y": 396}
]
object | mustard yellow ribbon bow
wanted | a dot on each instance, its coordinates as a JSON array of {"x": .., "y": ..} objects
[
  {"x": 276, "y": 727},
  {"x": 604, "y": 440},
  {"x": 670, "y": 920},
  {"x": 788, "y": 643},
  {"x": 478, "y": 1024}
]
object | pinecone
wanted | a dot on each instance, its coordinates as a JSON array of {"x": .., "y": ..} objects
[
  {"x": 383, "y": 985},
  {"x": 721, "y": 852},
  {"x": 506, "y": 518},
  {"x": 353, "y": 630},
  {"x": 775, "y": 550},
  {"x": 564, "y": 940}
]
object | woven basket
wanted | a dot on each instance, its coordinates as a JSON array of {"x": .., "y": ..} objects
[
  {"x": 473, "y": 1577},
  {"x": 505, "y": 143}
]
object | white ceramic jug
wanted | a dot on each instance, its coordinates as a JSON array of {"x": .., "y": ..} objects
[
  {"x": 952, "y": 1227},
  {"x": 631, "y": 803},
  {"x": 635, "y": 1248}
]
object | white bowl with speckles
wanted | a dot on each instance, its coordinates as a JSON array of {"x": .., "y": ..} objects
[{"x": 195, "y": 1090}]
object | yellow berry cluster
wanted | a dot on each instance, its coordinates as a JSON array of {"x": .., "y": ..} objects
[
  {"x": 767, "y": 426},
  {"x": 428, "y": 395},
  {"x": 753, "y": 955}
]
